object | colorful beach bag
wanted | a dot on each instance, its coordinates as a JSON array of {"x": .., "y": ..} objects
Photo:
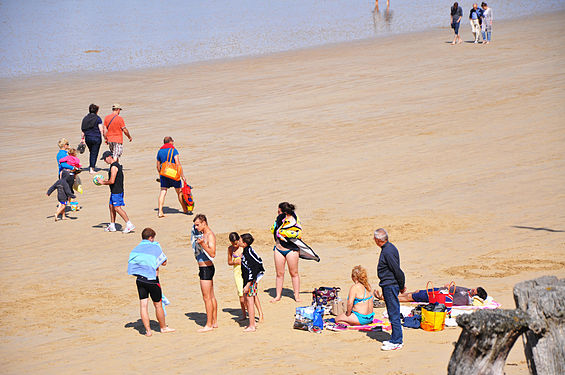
[
  {"x": 444, "y": 297},
  {"x": 323, "y": 295},
  {"x": 433, "y": 317},
  {"x": 170, "y": 169}
]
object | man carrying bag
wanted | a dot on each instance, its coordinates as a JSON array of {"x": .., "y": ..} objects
[{"x": 171, "y": 173}]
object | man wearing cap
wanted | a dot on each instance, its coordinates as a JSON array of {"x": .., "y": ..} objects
[
  {"x": 114, "y": 126},
  {"x": 116, "y": 182}
]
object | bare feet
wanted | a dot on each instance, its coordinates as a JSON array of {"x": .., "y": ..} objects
[
  {"x": 275, "y": 300},
  {"x": 261, "y": 319},
  {"x": 249, "y": 329},
  {"x": 377, "y": 294},
  {"x": 215, "y": 325},
  {"x": 149, "y": 333},
  {"x": 161, "y": 215},
  {"x": 167, "y": 330},
  {"x": 297, "y": 298},
  {"x": 205, "y": 329}
]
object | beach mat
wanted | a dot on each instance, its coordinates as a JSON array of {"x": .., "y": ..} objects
[{"x": 378, "y": 324}]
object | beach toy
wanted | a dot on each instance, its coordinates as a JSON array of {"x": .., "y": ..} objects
[
  {"x": 74, "y": 206},
  {"x": 97, "y": 178}
]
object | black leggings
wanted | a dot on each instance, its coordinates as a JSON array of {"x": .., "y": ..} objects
[{"x": 94, "y": 148}]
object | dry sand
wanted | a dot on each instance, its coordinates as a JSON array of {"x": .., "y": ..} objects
[{"x": 457, "y": 150}]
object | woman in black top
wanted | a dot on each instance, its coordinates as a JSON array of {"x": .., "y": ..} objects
[{"x": 92, "y": 134}]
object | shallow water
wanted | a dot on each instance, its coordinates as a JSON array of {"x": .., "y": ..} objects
[{"x": 103, "y": 35}]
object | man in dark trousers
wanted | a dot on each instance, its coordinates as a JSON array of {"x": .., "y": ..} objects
[{"x": 391, "y": 282}]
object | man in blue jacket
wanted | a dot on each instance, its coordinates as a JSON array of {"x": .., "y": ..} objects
[{"x": 391, "y": 282}]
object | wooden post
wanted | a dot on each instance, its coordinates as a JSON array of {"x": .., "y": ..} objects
[
  {"x": 543, "y": 300},
  {"x": 486, "y": 340}
]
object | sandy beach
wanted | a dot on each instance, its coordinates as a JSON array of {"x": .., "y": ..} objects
[{"x": 458, "y": 151}]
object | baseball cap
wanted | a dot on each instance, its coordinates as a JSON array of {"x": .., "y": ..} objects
[
  {"x": 116, "y": 106},
  {"x": 106, "y": 154}
]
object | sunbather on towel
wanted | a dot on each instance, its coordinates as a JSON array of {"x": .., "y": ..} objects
[
  {"x": 461, "y": 297},
  {"x": 359, "y": 302}
]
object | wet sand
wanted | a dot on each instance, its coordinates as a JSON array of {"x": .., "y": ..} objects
[{"x": 456, "y": 150}]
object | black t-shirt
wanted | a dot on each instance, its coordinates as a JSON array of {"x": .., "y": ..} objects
[
  {"x": 90, "y": 126},
  {"x": 118, "y": 186}
]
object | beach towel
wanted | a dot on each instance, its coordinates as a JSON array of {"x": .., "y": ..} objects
[
  {"x": 377, "y": 324},
  {"x": 145, "y": 258},
  {"x": 195, "y": 234}
]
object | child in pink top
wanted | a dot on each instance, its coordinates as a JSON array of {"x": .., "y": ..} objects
[{"x": 71, "y": 158}]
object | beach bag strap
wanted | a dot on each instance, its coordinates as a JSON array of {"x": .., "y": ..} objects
[
  {"x": 431, "y": 296},
  {"x": 452, "y": 283},
  {"x": 111, "y": 121},
  {"x": 170, "y": 156}
]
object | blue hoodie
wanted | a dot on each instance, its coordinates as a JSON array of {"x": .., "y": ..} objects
[{"x": 388, "y": 269}]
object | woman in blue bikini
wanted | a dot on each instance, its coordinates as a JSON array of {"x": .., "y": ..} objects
[
  {"x": 287, "y": 225},
  {"x": 359, "y": 302}
]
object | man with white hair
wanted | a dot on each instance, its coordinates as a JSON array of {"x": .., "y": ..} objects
[{"x": 392, "y": 283}]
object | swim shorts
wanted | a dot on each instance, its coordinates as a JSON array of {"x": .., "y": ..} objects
[
  {"x": 170, "y": 183},
  {"x": 252, "y": 289},
  {"x": 206, "y": 273},
  {"x": 117, "y": 149},
  {"x": 117, "y": 200},
  {"x": 146, "y": 288}
]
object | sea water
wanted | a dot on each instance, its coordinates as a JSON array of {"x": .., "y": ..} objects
[{"x": 110, "y": 35}]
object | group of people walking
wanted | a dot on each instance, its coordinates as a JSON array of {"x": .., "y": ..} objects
[{"x": 481, "y": 20}]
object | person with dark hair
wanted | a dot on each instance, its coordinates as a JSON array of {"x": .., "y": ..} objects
[
  {"x": 116, "y": 182},
  {"x": 92, "y": 134},
  {"x": 204, "y": 245},
  {"x": 251, "y": 271},
  {"x": 168, "y": 152},
  {"x": 144, "y": 262},
  {"x": 488, "y": 20},
  {"x": 287, "y": 225},
  {"x": 64, "y": 193},
  {"x": 461, "y": 296},
  {"x": 456, "y": 15}
]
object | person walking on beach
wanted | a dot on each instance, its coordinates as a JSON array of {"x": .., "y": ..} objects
[
  {"x": 116, "y": 182},
  {"x": 475, "y": 20},
  {"x": 488, "y": 20},
  {"x": 144, "y": 262},
  {"x": 169, "y": 153},
  {"x": 204, "y": 245},
  {"x": 114, "y": 130},
  {"x": 287, "y": 225},
  {"x": 456, "y": 15},
  {"x": 92, "y": 134},
  {"x": 392, "y": 283}
]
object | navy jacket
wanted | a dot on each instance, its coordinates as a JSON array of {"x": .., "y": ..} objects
[
  {"x": 388, "y": 269},
  {"x": 251, "y": 266}
]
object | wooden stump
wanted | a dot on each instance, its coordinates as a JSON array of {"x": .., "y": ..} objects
[
  {"x": 543, "y": 300},
  {"x": 486, "y": 339}
]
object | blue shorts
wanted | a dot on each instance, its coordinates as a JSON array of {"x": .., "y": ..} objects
[
  {"x": 455, "y": 27},
  {"x": 117, "y": 200},
  {"x": 170, "y": 183},
  {"x": 422, "y": 295}
]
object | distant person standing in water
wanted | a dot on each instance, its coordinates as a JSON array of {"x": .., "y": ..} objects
[
  {"x": 488, "y": 19},
  {"x": 114, "y": 126},
  {"x": 92, "y": 134},
  {"x": 475, "y": 20},
  {"x": 456, "y": 15}
]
